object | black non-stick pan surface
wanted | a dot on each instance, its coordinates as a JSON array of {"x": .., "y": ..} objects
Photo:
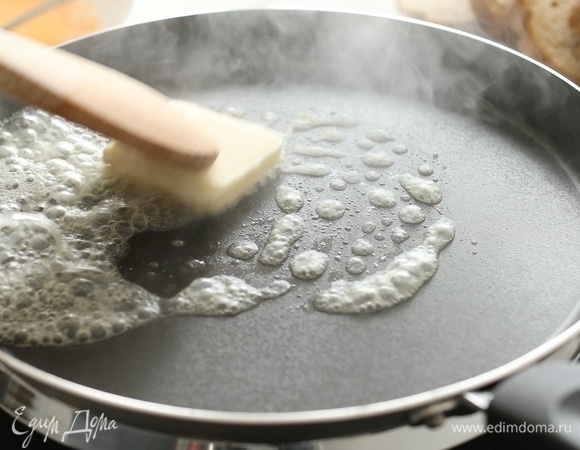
[{"x": 501, "y": 135}]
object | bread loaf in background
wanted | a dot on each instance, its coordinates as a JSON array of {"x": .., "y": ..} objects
[
  {"x": 552, "y": 27},
  {"x": 547, "y": 30},
  {"x": 453, "y": 13},
  {"x": 499, "y": 19}
]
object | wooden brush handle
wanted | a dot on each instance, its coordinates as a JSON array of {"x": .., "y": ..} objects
[{"x": 102, "y": 99}]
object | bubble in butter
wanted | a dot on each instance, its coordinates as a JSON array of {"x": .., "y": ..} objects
[
  {"x": 222, "y": 295},
  {"x": 284, "y": 232},
  {"x": 288, "y": 199},
  {"x": 309, "y": 265},
  {"x": 401, "y": 279}
]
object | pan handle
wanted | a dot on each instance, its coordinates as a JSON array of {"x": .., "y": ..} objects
[
  {"x": 541, "y": 403},
  {"x": 537, "y": 408}
]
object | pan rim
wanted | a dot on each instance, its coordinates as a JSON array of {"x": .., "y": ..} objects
[
  {"x": 13, "y": 370},
  {"x": 30, "y": 378}
]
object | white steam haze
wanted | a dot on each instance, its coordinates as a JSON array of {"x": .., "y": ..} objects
[{"x": 147, "y": 10}]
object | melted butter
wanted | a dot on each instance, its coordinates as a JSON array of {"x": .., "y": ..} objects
[
  {"x": 221, "y": 295},
  {"x": 270, "y": 118},
  {"x": 235, "y": 112},
  {"x": 425, "y": 170},
  {"x": 424, "y": 191},
  {"x": 311, "y": 170},
  {"x": 243, "y": 249},
  {"x": 356, "y": 265},
  {"x": 338, "y": 185},
  {"x": 377, "y": 159},
  {"x": 352, "y": 177},
  {"x": 412, "y": 214},
  {"x": 399, "y": 282},
  {"x": 362, "y": 247},
  {"x": 372, "y": 175},
  {"x": 317, "y": 151},
  {"x": 382, "y": 198},
  {"x": 399, "y": 235},
  {"x": 309, "y": 121},
  {"x": 198, "y": 264},
  {"x": 365, "y": 144},
  {"x": 63, "y": 226},
  {"x": 330, "y": 136},
  {"x": 288, "y": 199},
  {"x": 309, "y": 265},
  {"x": 330, "y": 209},
  {"x": 400, "y": 149},
  {"x": 369, "y": 227},
  {"x": 284, "y": 232},
  {"x": 379, "y": 135}
]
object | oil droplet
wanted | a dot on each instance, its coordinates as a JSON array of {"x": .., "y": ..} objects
[
  {"x": 387, "y": 222},
  {"x": 369, "y": 227}
]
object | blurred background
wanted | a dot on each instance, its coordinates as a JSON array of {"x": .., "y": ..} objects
[
  {"x": 546, "y": 31},
  {"x": 58, "y": 21}
]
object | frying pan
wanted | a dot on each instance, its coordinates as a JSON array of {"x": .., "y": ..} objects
[{"x": 500, "y": 132}]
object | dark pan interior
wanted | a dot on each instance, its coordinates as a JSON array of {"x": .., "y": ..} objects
[{"x": 506, "y": 138}]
